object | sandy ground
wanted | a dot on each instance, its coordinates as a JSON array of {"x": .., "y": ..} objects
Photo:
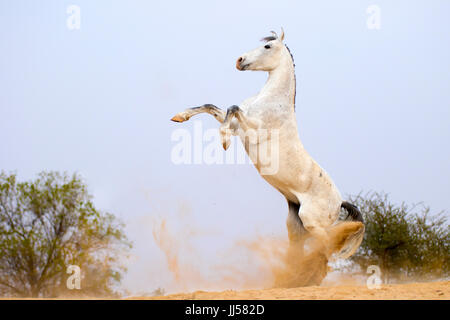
[{"x": 411, "y": 291}]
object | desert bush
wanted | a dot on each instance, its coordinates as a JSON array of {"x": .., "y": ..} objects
[
  {"x": 405, "y": 241},
  {"x": 48, "y": 224}
]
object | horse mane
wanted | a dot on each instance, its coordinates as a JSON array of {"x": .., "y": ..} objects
[{"x": 295, "y": 79}]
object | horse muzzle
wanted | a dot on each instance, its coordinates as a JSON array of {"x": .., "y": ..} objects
[{"x": 240, "y": 64}]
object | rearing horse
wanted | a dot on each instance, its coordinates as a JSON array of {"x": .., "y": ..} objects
[{"x": 314, "y": 201}]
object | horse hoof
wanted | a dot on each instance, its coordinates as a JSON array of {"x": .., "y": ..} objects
[
  {"x": 226, "y": 144},
  {"x": 178, "y": 118}
]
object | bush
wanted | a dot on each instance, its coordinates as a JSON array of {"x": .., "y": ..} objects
[
  {"x": 406, "y": 241},
  {"x": 51, "y": 223}
]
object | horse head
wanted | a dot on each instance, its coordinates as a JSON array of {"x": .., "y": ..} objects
[{"x": 266, "y": 57}]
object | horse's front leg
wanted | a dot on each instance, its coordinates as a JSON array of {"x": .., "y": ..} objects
[
  {"x": 245, "y": 123},
  {"x": 206, "y": 108}
]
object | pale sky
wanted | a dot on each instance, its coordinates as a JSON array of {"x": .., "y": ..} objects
[{"x": 373, "y": 107}]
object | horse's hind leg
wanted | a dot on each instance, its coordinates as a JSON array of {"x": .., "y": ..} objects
[
  {"x": 296, "y": 230},
  {"x": 297, "y": 235},
  {"x": 304, "y": 266},
  {"x": 300, "y": 268}
]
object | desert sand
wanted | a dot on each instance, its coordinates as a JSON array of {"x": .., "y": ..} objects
[{"x": 411, "y": 291}]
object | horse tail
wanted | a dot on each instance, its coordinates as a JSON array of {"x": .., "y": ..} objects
[
  {"x": 353, "y": 228},
  {"x": 353, "y": 212}
]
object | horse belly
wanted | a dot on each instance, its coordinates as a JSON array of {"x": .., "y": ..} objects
[{"x": 263, "y": 152}]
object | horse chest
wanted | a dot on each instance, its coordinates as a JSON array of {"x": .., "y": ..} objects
[{"x": 272, "y": 115}]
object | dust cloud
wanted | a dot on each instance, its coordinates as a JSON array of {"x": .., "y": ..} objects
[{"x": 251, "y": 262}]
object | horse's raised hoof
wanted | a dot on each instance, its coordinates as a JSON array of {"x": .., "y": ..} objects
[
  {"x": 178, "y": 118},
  {"x": 226, "y": 144},
  {"x": 225, "y": 133}
]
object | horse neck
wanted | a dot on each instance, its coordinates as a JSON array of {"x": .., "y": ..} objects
[{"x": 281, "y": 81}]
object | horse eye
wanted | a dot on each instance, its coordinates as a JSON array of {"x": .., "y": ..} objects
[{"x": 267, "y": 46}]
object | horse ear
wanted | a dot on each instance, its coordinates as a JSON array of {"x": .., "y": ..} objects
[{"x": 282, "y": 34}]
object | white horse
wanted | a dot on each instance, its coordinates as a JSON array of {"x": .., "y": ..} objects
[{"x": 314, "y": 201}]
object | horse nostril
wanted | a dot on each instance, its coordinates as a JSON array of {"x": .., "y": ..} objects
[{"x": 239, "y": 62}]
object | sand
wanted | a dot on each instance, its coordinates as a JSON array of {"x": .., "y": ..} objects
[{"x": 411, "y": 291}]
